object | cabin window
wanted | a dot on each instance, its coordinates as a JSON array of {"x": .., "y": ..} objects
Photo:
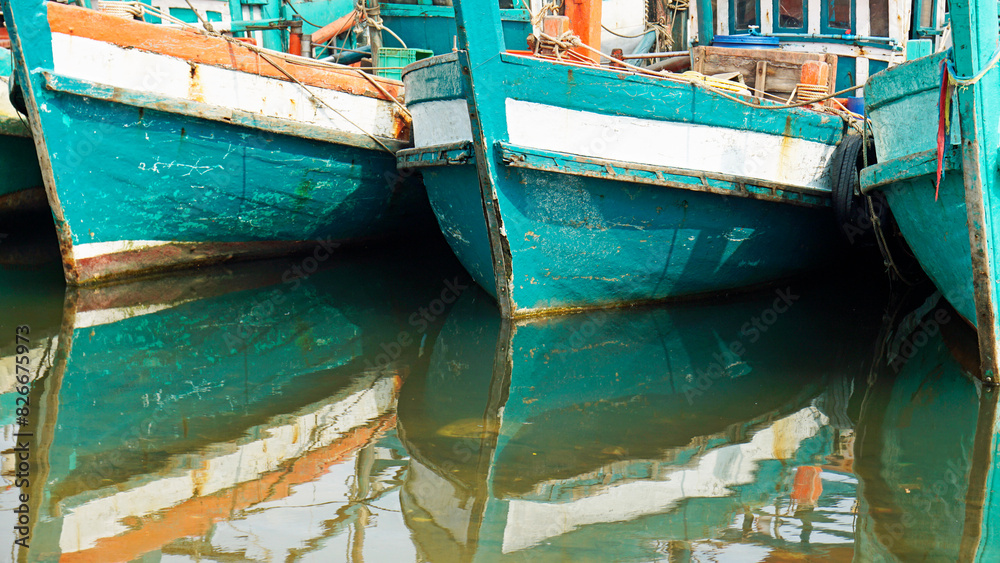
[
  {"x": 879, "y": 18},
  {"x": 792, "y": 16},
  {"x": 184, "y": 14},
  {"x": 838, "y": 16},
  {"x": 743, "y": 15},
  {"x": 926, "y": 13},
  {"x": 925, "y": 18}
]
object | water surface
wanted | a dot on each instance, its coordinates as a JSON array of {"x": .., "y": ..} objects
[{"x": 376, "y": 408}]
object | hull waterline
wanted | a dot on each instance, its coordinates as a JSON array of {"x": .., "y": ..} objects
[{"x": 164, "y": 149}]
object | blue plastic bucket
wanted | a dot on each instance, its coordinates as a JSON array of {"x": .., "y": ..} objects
[
  {"x": 745, "y": 41},
  {"x": 856, "y": 104}
]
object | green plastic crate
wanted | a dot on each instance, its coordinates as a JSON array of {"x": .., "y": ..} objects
[{"x": 396, "y": 59}]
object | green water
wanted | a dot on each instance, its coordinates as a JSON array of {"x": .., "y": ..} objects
[{"x": 378, "y": 409}]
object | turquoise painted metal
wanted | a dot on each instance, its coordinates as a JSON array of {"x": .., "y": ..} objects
[
  {"x": 626, "y": 426},
  {"x": 214, "y": 183},
  {"x": 20, "y": 179},
  {"x": 545, "y": 230},
  {"x": 952, "y": 231}
]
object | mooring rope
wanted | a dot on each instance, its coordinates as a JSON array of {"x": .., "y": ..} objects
[
  {"x": 266, "y": 56},
  {"x": 964, "y": 81}
]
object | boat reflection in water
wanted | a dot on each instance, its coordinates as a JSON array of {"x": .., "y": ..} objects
[
  {"x": 926, "y": 449},
  {"x": 242, "y": 411},
  {"x": 695, "y": 430}
]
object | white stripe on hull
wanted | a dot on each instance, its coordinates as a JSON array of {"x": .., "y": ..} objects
[
  {"x": 775, "y": 158},
  {"x": 92, "y": 249},
  {"x": 440, "y": 122},
  {"x": 89, "y": 319},
  {"x": 785, "y": 160},
  {"x": 96, "y": 61}
]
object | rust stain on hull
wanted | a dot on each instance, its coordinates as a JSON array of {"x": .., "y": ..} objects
[{"x": 175, "y": 256}]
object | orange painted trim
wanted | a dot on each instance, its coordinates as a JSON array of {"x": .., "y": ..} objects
[
  {"x": 196, "y": 516},
  {"x": 197, "y": 48},
  {"x": 585, "y": 21}
]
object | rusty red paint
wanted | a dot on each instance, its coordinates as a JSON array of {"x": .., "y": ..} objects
[
  {"x": 172, "y": 257},
  {"x": 32, "y": 199}
]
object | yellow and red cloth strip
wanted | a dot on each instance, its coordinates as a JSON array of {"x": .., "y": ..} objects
[
  {"x": 944, "y": 120},
  {"x": 950, "y": 79}
]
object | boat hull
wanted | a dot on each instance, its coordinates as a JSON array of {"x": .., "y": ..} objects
[
  {"x": 933, "y": 224},
  {"x": 20, "y": 179},
  {"x": 592, "y": 213},
  {"x": 160, "y": 152}
]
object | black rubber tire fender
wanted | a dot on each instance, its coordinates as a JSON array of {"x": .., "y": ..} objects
[{"x": 845, "y": 181}]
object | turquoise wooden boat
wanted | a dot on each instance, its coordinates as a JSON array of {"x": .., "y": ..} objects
[
  {"x": 20, "y": 179},
  {"x": 562, "y": 185},
  {"x": 586, "y": 430},
  {"x": 947, "y": 226},
  {"x": 163, "y": 148}
]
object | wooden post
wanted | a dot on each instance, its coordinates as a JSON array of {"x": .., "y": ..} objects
[
  {"x": 760, "y": 80},
  {"x": 480, "y": 42},
  {"x": 585, "y": 21},
  {"x": 272, "y": 38},
  {"x": 980, "y": 498},
  {"x": 974, "y": 25},
  {"x": 706, "y": 31},
  {"x": 375, "y": 35}
]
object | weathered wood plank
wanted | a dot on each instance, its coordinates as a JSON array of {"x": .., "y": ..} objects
[
  {"x": 783, "y": 68},
  {"x": 974, "y": 23},
  {"x": 911, "y": 166}
]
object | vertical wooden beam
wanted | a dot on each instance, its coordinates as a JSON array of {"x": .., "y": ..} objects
[
  {"x": 705, "y": 31},
  {"x": 236, "y": 11},
  {"x": 974, "y": 24},
  {"x": 760, "y": 80},
  {"x": 979, "y": 497},
  {"x": 814, "y": 16},
  {"x": 480, "y": 42},
  {"x": 692, "y": 25},
  {"x": 585, "y": 21},
  {"x": 272, "y": 38},
  {"x": 766, "y": 17},
  {"x": 720, "y": 14}
]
